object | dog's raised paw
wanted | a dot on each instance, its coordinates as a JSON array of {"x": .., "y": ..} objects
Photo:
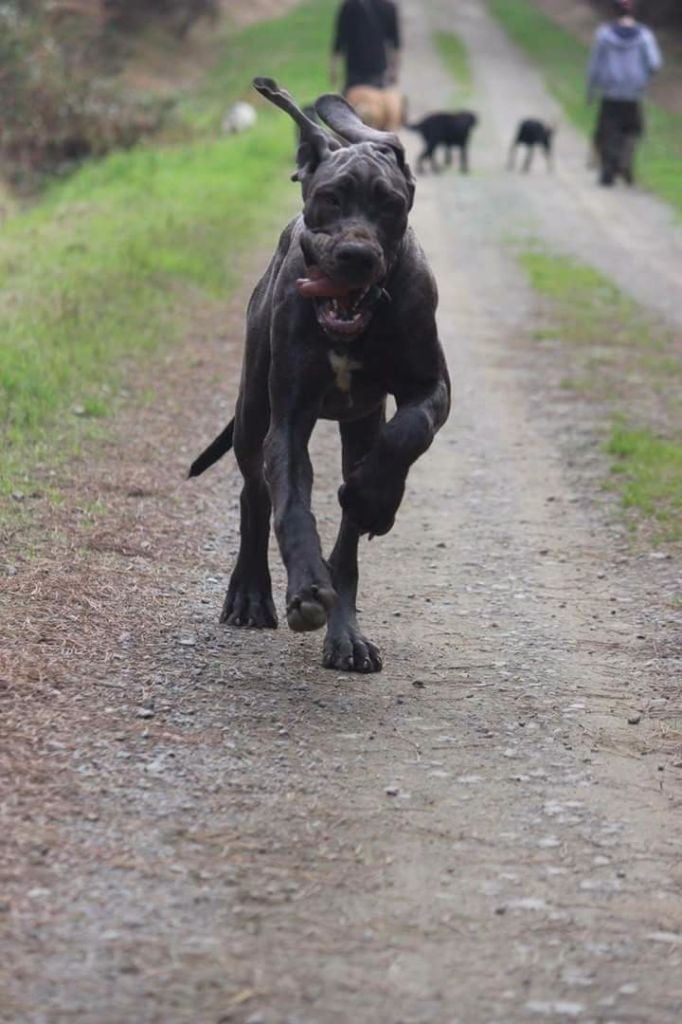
[
  {"x": 371, "y": 504},
  {"x": 351, "y": 652},
  {"x": 309, "y": 609}
]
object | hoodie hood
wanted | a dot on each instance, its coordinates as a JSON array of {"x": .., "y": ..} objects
[{"x": 623, "y": 36}]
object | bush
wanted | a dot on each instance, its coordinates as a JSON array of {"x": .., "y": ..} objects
[
  {"x": 59, "y": 103},
  {"x": 180, "y": 15}
]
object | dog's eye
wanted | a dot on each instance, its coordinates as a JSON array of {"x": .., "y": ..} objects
[
  {"x": 331, "y": 199},
  {"x": 390, "y": 203}
]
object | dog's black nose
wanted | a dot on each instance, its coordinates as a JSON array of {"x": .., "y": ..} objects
[{"x": 356, "y": 257}]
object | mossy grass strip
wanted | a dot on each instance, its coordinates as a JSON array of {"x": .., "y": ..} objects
[
  {"x": 455, "y": 57},
  {"x": 629, "y": 364}
]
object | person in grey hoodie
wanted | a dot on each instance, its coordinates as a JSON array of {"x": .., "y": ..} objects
[{"x": 624, "y": 58}]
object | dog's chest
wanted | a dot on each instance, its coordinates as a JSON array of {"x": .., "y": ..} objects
[{"x": 343, "y": 366}]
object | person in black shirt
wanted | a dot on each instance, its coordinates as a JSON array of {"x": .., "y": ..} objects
[{"x": 367, "y": 37}]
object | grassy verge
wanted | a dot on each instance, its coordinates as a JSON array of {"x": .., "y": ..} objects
[
  {"x": 110, "y": 264},
  {"x": 455, "y": 56},
  {"x": 627, "y": 364},
  {"x": 563, "y": 59}
]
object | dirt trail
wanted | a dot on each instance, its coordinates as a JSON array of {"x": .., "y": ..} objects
[{"x": 210, "y": 828}]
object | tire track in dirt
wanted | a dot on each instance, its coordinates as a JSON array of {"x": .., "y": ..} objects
[{"x": 209, "y": 827}]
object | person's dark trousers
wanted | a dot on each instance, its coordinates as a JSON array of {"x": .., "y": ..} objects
[{"x": 619, "y": 126}]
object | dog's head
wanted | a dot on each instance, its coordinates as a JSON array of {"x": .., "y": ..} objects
[
  {"x": 467, "y": 119},
  {"x": 357, "y": 193}
]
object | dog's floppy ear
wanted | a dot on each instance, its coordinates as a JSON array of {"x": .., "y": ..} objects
[
  {"x": 315, "y": 143},
  {"x": 343, "y": 119}
]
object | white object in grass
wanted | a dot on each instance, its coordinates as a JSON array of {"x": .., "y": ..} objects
[{"x": 239, "y": 118}]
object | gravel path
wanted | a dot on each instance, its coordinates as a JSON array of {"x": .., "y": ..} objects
[{"x": 209, "y": 828}]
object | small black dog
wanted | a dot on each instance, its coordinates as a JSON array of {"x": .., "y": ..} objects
[
  {"x": 532, "y": 133},
  {"x": 343, "y": 317},
  {"x": 448, "y": 130}
]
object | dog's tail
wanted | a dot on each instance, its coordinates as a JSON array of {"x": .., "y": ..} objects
[
  {"x": 215, "y": 451},
  {"x": 414, "y": 127}
]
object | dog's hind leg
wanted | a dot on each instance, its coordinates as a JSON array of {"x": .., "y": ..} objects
[
  {"x": 345, "y": 647},
  {"x": 527, "y": 163},
  {"x": 550, "y": 159},
  {"x": 249, "y": 601},
  {"x": 464, "y": 158},
  {"x": 511, "y": 159}
]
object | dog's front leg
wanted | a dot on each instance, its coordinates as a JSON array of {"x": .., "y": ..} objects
[
  {"x": 372, "y": 495},
  {"x": 289, "y": 475},
  {"x": 345, "y": 647}
]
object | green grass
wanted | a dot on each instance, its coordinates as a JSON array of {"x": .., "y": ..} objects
[
  {"x": 626, "y": 361},
  {"x": 455, "y": 56},
  {"x": 110, "y": 264},
  {"x": 563, "y": 59},
  {"x": 650, "y": 471},
  {"x": 588, "y": 308}
]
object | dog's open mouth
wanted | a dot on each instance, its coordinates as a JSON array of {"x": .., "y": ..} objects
[{"x": 341, "y": 310}]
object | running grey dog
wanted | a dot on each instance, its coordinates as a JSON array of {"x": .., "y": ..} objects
[{"x": 343, "y": 317}]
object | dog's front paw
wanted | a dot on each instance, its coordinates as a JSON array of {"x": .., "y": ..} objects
[
  {"x": 347, "y": 650},
  {"x": 371, "y": 503},
  {"x": 308, "y": 607}
]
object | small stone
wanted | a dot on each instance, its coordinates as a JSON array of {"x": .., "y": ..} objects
[
  {"x": 556, "y": 1008},
  {"x": 418, "y": 684},
  {"x": 635, "y": 719},
  {"x": 144, "y": 713},
  {"x": 38, "y": 894},
  {"x": 187, "y": 641},
  {"x": 670, "y": 938},
  {"x": 528, "y": 903},
  {"x": 392, "y": 791}
]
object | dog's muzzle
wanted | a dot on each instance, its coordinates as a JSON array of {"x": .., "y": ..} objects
[{"x": 343, "y": 312}]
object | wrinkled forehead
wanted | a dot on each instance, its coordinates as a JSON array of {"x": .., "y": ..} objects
[{"x": 364, "y": 163}]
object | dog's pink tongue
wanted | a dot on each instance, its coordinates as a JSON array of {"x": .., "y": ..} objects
[{"x": 317, "y": 286}]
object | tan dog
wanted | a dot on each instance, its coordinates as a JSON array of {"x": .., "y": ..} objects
[{"x": 382, "y": 109}]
